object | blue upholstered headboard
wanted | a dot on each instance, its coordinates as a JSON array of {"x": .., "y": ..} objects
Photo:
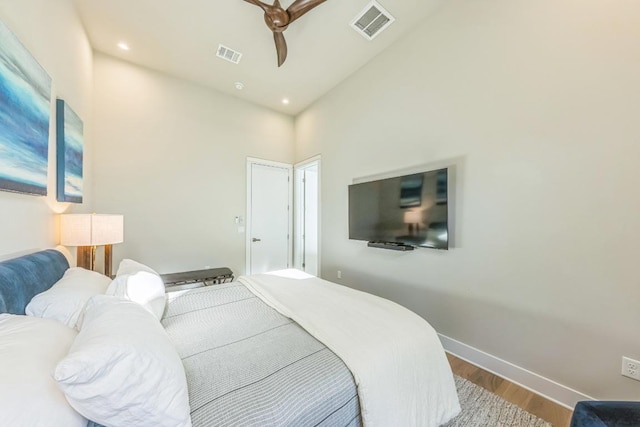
[{"x": 23, "y": 278}]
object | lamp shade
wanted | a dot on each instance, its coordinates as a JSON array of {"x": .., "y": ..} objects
[
  {"x": 412, "y": 217},
  {"x": 91, "y": 229}
]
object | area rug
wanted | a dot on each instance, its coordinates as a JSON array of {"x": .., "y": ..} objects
[{"x": 481, "y": 408}]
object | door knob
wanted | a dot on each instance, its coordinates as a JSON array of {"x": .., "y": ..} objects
[{"x": 256, "y": 240}]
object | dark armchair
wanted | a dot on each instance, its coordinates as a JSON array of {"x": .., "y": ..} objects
[{"x": 606, "y": 414}]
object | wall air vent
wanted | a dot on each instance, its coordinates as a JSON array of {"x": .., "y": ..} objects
[
  {"x": 373, "y": 20},
  {"x": 228, "y": 54}
]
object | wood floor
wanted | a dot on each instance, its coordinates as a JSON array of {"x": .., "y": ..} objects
[{"x": 549, "y": 411}]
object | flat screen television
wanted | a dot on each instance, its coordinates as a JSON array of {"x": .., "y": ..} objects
[{"x": 410, "y": 210}]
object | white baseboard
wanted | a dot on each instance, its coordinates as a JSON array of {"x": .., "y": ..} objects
[{"x": 538, "y": 384}]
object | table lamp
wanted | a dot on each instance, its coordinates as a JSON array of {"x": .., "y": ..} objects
[
  {"x": 86, "y": 231},
  {"x": 413, "y": 220}
]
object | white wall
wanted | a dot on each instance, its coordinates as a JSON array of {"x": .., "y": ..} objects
[
  {"x": 172, "y": 159},
  {"x": 538, "y": 101},
  {"x": 52, "y": 32}
]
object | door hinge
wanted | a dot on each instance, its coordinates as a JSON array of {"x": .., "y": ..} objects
[{"x": 303, "y": 265}]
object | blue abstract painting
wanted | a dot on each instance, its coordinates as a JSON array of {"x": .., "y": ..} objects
[
  {"x": 25, "y": 102},
  {"x": 69, "y": 146}
]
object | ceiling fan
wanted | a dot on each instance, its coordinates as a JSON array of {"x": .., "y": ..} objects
[{"x": 278, "y": 19}]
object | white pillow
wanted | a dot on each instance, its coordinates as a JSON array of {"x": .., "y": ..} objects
[
  {"x": 139, "y": 283},
  {"x": 30, "y": 348},
  {"x": 122, "y": 370},
  {"x": 66, "y": 299}
]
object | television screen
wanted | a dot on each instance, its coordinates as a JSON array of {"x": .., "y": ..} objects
[{"x": 410, "y": 209}]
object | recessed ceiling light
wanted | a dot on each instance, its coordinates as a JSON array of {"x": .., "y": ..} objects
[
  {"x": 285, "y": 101},
  {"x": 239, "y": 85},
  {"x": 123, "y": 46}
]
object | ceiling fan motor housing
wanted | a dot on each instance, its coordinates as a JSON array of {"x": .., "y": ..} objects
[{"x": 277, "y": 22}]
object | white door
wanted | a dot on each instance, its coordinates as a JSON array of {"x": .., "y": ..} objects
[
  {"x": 269, "y": 217},
  {"x": 311, "y": 220},
  {"x": 307, "y": 244}
]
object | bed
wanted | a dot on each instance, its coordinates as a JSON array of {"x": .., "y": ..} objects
[{"x": 284, "y": 349}]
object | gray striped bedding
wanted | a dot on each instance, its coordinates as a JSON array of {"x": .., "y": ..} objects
[{"x": 247, "y": 365}]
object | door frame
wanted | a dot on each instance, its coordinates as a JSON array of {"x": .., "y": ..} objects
[
  {"x": 299, "y": 209},
  {"x": 255, "y": 161}
]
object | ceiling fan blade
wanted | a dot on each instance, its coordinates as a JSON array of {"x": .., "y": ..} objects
[
  {"x": 300, "y": 7},
  {"x": 281, "y": 47},
  {"x": 258, "y": 3}
]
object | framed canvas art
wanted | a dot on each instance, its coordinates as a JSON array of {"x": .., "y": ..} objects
[
  {"x": 411, "y": 190},
  {"x": 25, "y": 103},
  {"x": 69, "y": 148}
]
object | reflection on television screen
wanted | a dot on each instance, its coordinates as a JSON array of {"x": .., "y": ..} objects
[{"x": 410, "y": 209}]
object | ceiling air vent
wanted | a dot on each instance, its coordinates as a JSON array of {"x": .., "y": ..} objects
[
  {"x": 228, "y": 54},
  {"x": 372, "y": 20}
]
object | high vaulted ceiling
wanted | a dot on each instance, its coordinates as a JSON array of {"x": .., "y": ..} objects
[{"x": 181, "y": 37}]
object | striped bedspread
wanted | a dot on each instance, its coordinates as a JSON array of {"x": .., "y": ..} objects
[{"x": 247, "y": 365}]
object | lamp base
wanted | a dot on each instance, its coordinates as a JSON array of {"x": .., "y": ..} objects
[
  {"x": 108, "y": 258},
  {"x": 86, "y": 257}
]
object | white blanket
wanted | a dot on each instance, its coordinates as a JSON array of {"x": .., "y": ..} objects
[{"x": 395, "y": 356}]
